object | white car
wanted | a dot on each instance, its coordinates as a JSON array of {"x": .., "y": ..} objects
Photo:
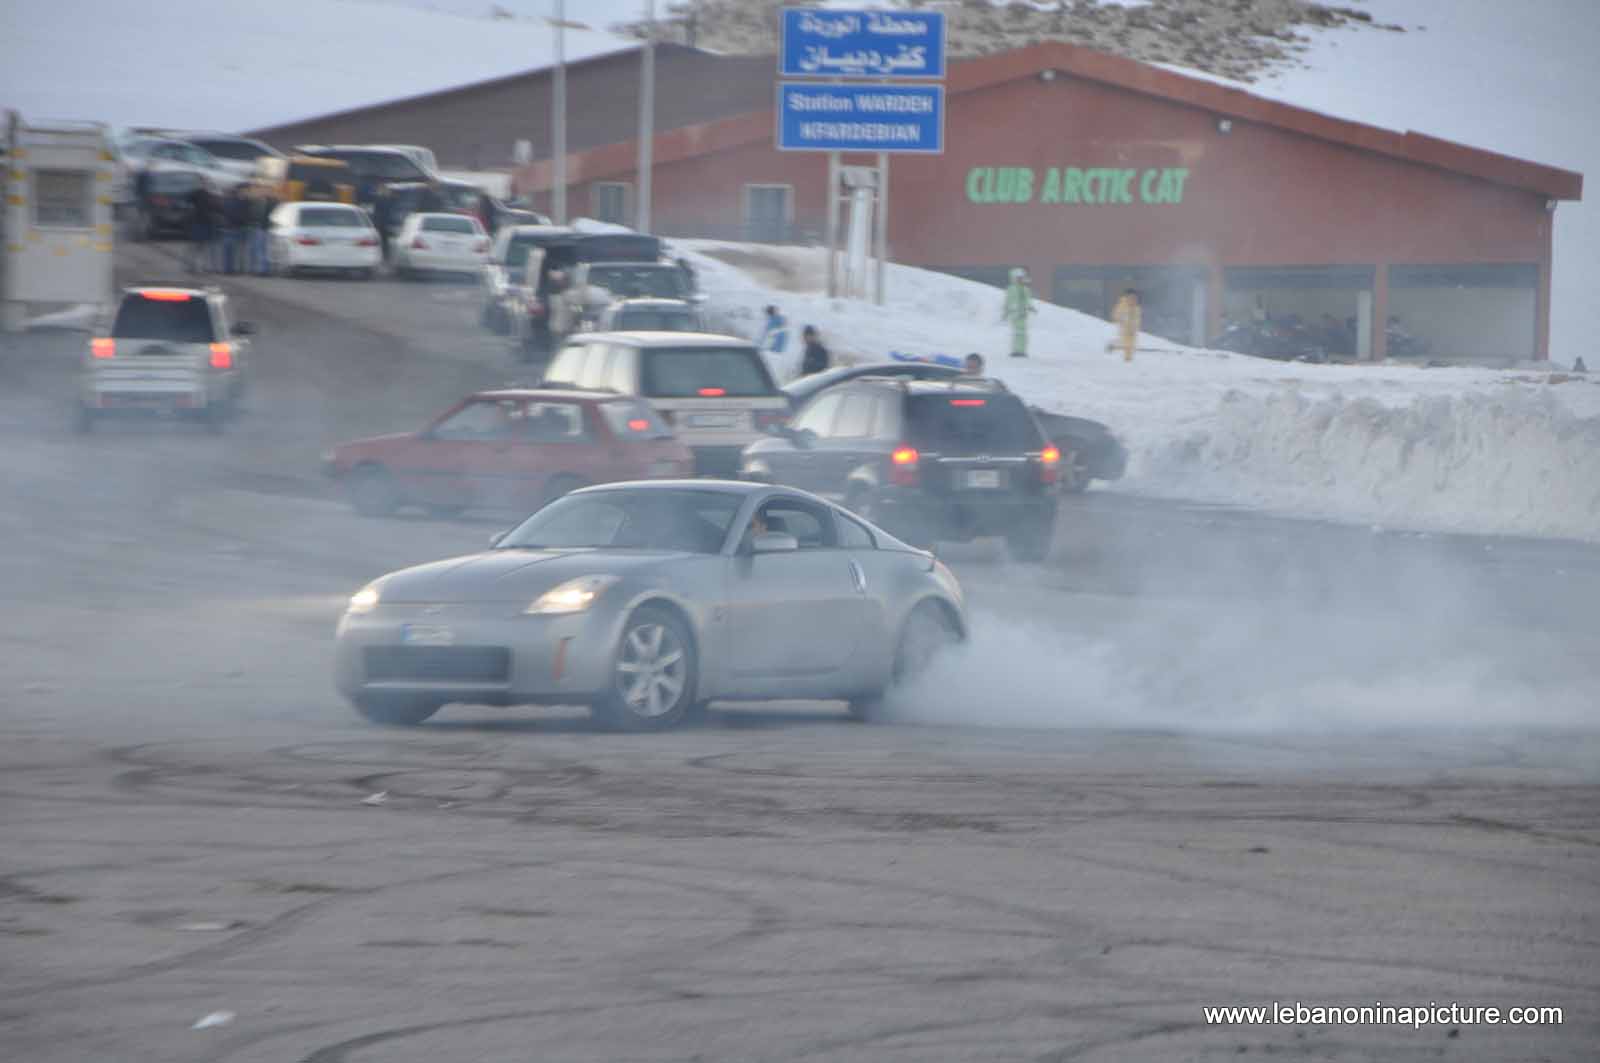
[
  {"x": 236, "y": 155},
  {"x": 442, "y": 243},
  {"x": 330, "y": 236}
]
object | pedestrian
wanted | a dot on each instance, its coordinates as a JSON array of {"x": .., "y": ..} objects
[
  {"x": 973, "y": 366},
  {"x": 1018, "y": 307},
  {"x": 383, "y": 218},
  {"x": 816, "y": 358},
  {"x": 486, "y": 212},
  {"x": 265, "y": 203},
  {"x": 1128, "y": 317},
  {"x": 1578, "y": 366},
  {"x": 200, "y": 220},
  {"x": 775, "y": 335},
  {"x": 688, "y": 273},
  {"x": 236, "y": 234}
]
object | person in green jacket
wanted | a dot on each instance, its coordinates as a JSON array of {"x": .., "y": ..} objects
[{"x": 1019, "y": 304}]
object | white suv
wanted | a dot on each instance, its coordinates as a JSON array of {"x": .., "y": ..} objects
[
  {"x": 715, "y": 391},
  {"x": 171, "y": 351}
]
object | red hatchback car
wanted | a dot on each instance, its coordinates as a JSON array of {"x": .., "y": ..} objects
[{"x": 511, "y": 449}]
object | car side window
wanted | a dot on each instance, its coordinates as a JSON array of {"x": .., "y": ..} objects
[
  {"x": 597, "y": 367},
  {"x": 855, "y": 416},
  {"x": 811, "y": 525},
  {"x": 552, "y": 422},
  {"x": 568, "y": 365},
  {"x": 818, "y": 416},
  {"x": 886, "y": 423},
  {"x": 853, "y": 535},
  {"x": 623, "y": 361},
  {"x": 476, "y": 421}
]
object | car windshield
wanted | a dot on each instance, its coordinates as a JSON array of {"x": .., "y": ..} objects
[
  {"x": 689, "y": 372},
  {"x": 686, "y": 519},
  {"x": 636, "y": 281},
  {"x": 182, "y": 320},
  {"x": 331, "y": 218},
  {"x": 968, "y": 423}
]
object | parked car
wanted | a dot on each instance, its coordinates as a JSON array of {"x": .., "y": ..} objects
[
  {"x": 162, "y": 154},
  {"x": 423, "y": 157},
  {"x": 590, "y": 287},
  {"x": 801, "y": 390},
  {"x": 1088, "y": 449},
  {"x": 168, "y": 351},
  {"x": 503, "y": 284},
  {"x": 645, "y": 601},
  {"x": 237, "y": 155},
  {"x": 548, "y": 305},
  {"x": 167, "y": 206},
  {"x": 509, "y": 449},
  {"x": 370, "y": 167},
  {"x": 440, "y": 243},
  {"x": 323, "y": 236},
  {"x": 651, "y": 315},
  {"x": 715, "y": 391},
  {"x": 928, "y": 460},
  {"x": 303, "y": 179}
]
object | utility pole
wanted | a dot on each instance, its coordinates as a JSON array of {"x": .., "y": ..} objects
[
  {"x": 647, "y": 114},
  {"x": 558, "y": 120}
]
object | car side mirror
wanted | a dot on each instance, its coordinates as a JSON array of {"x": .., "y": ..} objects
[
  {"x": 773, "y": 543},
  {"x": 498, "y": 537},
  {"x": 244, "y": 328}
]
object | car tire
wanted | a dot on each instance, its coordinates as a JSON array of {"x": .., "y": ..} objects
[
  {"x": 928, "y": 631},
  {"x": 373, "y": 492},
  {"x": 1031, "y": 539},
  {"x": 653, "y": 674},
  {"x": 1074, "y": 472},
  {"x": 396, "y": 710}
]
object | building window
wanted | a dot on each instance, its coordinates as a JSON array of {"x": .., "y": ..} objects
[
  {"x": 611, "y": 201},
  {"x": 62, "y": 199},
  {"x": 768, "y": 212}
]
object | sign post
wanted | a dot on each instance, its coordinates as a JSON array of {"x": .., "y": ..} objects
[{"x": 840, "y": 116}]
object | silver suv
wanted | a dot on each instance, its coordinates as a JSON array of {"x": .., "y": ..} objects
[{"x": 171, "y": 351}]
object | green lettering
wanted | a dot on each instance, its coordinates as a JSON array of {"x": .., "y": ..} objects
[
  {"x": 1146, "y": 193},
  {"x": 1024, "y": 185},
  {"x": 980, "y": 184},
  {"x": 1072, "y": 185},
  {"x": 1178, "y": 177},
  {"x": 1125, "y": 185},
  {"x": 1052, "y": 186},
  {"x": 1005, "y": 183}
]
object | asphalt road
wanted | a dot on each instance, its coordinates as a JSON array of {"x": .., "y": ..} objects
[{"x": 1203, "y": 757}]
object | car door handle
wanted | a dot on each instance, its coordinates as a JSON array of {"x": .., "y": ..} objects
[{"x": 859, "y": 577}]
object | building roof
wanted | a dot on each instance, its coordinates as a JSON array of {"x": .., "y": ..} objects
[{"x": 1076, "y": 61}]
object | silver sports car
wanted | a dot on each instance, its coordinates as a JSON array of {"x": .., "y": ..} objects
[{"x": 647, "y": 600}]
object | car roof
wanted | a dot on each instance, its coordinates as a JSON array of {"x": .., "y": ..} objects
[
  {"x": 312, "y": 149},
  {"x": 669, "y": 339},
  {"x": 649, "y": 302},
  {"x": 548, "y": 394},
  {"x": 741, "y": 488},
  {"x": 974, "y": 385},
  {"x": 540, "y": 230}
]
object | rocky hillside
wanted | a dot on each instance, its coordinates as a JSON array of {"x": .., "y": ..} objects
[{"x": 1239, "y": 39}]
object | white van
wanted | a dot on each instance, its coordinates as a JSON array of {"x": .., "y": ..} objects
[{"x": 715, "y": 391}]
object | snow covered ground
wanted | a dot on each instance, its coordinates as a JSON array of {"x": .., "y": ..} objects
[
  {"x": 1473, "y": 450},
  {"x": 233, "y": 66}
]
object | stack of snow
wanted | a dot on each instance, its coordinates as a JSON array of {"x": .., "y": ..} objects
[{"x": 1470, "y": 450}]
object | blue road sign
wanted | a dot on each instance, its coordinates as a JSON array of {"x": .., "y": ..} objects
[
  {"x": 893, "y": 118},
  {"x": 862, "y": 44}
]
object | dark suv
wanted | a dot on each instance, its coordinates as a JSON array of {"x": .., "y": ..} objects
[{"x": 924, "y": 459}]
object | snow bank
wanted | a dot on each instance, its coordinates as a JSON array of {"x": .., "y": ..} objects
[{"x": 1459, "y": 449}]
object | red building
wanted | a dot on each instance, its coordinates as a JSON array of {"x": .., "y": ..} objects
[{"x": 1098, "y": 173}]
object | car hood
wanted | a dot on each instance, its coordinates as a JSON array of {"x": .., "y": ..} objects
[{"x": 509, "y": 575}]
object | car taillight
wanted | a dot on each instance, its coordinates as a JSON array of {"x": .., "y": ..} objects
[
  {"x": 222, "y": 356},
  {"x": 968, "y": 402},
  {"x": 638, "y": 424},
  {"x": 903, "y": 466},
  {"x": 419, "y": 244},
  {"x": 713, "y": 393},
  {"x": 307, "y": 241},
  {"x": 1049, "y": 465},
  {"x": 102, "y": 347},
  {"x": 768, "y": 418},
  {"x": 166, "y": 295},
  {"x": 367, "y": 241}
]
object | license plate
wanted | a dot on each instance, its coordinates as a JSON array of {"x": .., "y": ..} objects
[
  {"x": 983, "y": 478},
  {"x": 713, "y": 420},
  {"x": 427, "y": 635}
]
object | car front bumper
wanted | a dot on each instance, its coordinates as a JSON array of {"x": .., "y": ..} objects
[{"x": 488, "y": 653}]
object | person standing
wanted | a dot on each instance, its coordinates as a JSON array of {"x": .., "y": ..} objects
[
  {"x": 1018, "y": 307},
  {"x": 236, "y": 239},
  {"x": 816, "y": 357},
  {"x": 383, "y": 218},
  {"x": 200, "y": 220},
  {"x": 973, "y": 365},
  {"x": 264, "y": 203},
  {"x": 1128, "y": 317}
]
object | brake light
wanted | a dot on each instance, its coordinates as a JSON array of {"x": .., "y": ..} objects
[
  {"x": 222, "y": 356},
  {"x": 307, "y": 241},
  {"x": 968, "y": 402},
  {"x": 367, "y": 241},
  {"x": 102, "y": 347},
  {"x": 166, "y": 295},
  {"x": 903, "y": 466},
  {"x": 638, "y": 424},
  {"x": 1049, "y": 465},
  {"x": 713, "y": 393},
  {"x": 418, "y": 245}
]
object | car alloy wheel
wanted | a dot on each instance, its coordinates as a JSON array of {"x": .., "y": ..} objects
[{"x": 652, "y": 671}]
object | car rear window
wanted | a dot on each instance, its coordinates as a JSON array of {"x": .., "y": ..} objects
[
  {"x": 638, "y": 281},
  {"x": 966, "y": 423},
  {"x": 653, "y": 319},
  {"x": 632, "y": 420},
  {"x": 331, "y": 218},
  {"x": 448, "y": 225},
  {"x": 690, "y": 372},
  {"x": 175, "y": 320}
]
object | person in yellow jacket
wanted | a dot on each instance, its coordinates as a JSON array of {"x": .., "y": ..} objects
[{"x": 1127, "y": 316}]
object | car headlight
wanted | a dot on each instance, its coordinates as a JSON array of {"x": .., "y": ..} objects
[
  {"x": 573, "y": 596},
  {"x": 364, "y": 600}
]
